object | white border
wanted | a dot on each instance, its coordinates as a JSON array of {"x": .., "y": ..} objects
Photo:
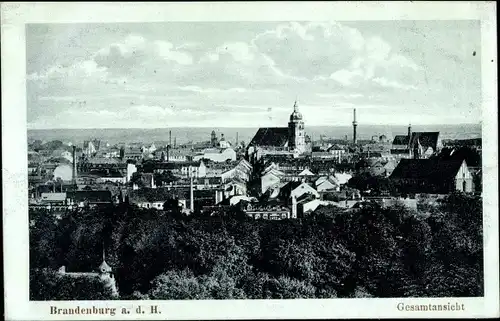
[{"x": 14, "y": 137}]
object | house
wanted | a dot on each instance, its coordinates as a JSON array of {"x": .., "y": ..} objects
[
  {"x": 111, "y": 176},
  {"x": 156, "y": 197},
  {"x": 327, "y": 183},
  {"x": 132, "y": 153},
  {"x": 432, "y": 176},
  {"x": 186, "y": 169},
  {"x": 53, "y": 199},
  {"x": 268, "y": 212},
  {"x": 168, "y": 154},
  {"x": 297, "y": 190},
  {"x": 90, "y": 198},
  {"x": 270, "y": 179},
  {"x": 242, "y": 171},
  {"x": 324, "y": 155},
  {"x": 235, "y": 186}
]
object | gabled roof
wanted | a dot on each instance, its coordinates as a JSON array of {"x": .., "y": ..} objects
[
  {"x": 306, "y": 172},
  {"x": 400, "y": 140},
  {"x": 90, "y": 196},
  {"x": 286, "y": 190},
  {"x": 425, "y": 139},
  {"x": 53, "y": 197},
  {"x": 426, "y": 169},
  {"x": 151, "y": 195},
  {"x": 270, "y": 136}
]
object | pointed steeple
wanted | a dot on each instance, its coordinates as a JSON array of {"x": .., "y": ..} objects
[{"x": 104, "y": 267}]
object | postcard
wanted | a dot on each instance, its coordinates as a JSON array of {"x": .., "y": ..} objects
[{"x": 239, "y": 160}]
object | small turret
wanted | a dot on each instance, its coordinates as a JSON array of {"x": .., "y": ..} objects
[{"x": 104, "y": 268}]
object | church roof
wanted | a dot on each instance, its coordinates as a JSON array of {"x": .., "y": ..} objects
[
  {"x": 400, "y": 140},
  {"x": 425, "y": 139},
  {"x": 270, "y": 136},
  {"x": 427, "y": 169}
]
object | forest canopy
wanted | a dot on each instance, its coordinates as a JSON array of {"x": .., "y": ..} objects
[{"x": 370, "y": 252}]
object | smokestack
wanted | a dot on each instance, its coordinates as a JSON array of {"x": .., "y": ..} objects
[
  {"x": 170, "y": 138},
  {"x": 168, "y": 153},
  {"x": 236, "y": 139},
  {"x": 74, "y": 165},
  {"x": 409, "y": 132},
  {"x": 175, "y": 141},
  {"x": 354, "y": 125},
  {"x": 191, "y": 197}
]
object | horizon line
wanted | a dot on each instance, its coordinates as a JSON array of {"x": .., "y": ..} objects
[{"x": 249, "y": 127}]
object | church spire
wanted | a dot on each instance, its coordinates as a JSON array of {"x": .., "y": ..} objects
[{"x": 295, "y": 106}]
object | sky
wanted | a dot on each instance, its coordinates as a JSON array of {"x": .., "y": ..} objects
[{"x": 248, "y": 74}]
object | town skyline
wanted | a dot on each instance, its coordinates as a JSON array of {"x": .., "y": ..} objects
[{"x": 157, "y": 75}]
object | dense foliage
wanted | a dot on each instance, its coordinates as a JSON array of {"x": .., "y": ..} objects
[{"x": 331, "y": 253}]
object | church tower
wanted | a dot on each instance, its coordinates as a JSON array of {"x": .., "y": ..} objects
[
  {"x": 213, "y": 139},
  {"x": 296, "y": 135}
]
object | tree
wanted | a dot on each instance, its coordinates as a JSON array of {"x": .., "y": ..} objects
[{"x": 177, "y": 285}]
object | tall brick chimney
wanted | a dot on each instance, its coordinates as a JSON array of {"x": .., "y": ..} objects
[
  {"x": 354, "y": 129},
  {"x": 74, "y": 165}
]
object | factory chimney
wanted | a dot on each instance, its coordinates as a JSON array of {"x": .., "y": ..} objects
[
  {"x": 409, "y": 131},
  {"x": 354, "y": 127},
  {"x": 74, "y": 165},
  {"x": 191, "y": 196},
  {"x": 236, "y": 145},
  {"x": 170, "y": 138},
  {"x": 168, "y": 153}
]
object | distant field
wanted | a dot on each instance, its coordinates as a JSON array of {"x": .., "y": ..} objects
[{"x": 195, "y": 134}]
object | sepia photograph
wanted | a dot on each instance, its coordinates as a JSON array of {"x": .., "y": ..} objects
[{"x": 255, "y": 160}]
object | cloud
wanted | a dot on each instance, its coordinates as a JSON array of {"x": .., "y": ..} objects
[
  {"x": 251, "y": 75},
  {"x": 166, "y": 51},
  {"x": 323, "y": 51},
  {"x": 393, "y": 84}
]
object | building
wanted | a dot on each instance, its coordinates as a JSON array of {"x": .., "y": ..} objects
[
  {"x": 289, "y": 140},
  {"x": 432, "y": 176},
  {"x": 89, "y": 198},
  {"x": 416, "y": 144},
  {"x": 268, "y": 212},
  {"x": 297, "y": 190},
  {"x": 219, "y": 155},
  {"x": 110, "y": 176},
  {"x": 103, "y": 274},
  {"x": 156, "y": 198},
  {"x": 184, "y": 169},
  {"x": 132, "y": 153},
  {"x": 327, "y": 183}
]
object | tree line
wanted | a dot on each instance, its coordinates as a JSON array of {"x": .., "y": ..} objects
[{"x": 370, "y": 252}]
